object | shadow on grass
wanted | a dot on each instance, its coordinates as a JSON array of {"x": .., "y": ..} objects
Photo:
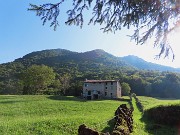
[
  {"x": 158, "y": 129},
  {"x": 10, "y": 102},
  {"x": 72, "y": 98},
  {"x": 7, "y": 97},
  {"x": 159, "y": 98},
  {"x": 110, "y": 126},
  {"x": 123, "y": 99},
  {"x": 66, "y": 98}
]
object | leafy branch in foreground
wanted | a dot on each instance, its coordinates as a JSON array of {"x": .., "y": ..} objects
[
  {"x": 47, "y": 12},
  {"x": 150, "y": 18}
]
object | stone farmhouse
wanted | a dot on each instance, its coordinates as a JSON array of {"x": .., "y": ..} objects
[{"x": 98, "y": 89}]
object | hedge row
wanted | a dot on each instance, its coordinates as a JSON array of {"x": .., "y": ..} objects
[
  {"x": 138, "y": 103},
  {"x": 164, "y": 115}
]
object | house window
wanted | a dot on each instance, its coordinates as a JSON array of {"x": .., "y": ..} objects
[
  {"x": 105, "y": 93},
  {"x": 99, "y": 92},
  {"x": 106, "y": 83},
  {"x": 85, "y": 85},
  {"x": 89, "y": 92},
  {"x": 106, "y": 87},
  {"x": 111, "y": 83}
]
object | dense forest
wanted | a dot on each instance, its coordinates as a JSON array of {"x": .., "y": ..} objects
[{"x": 67, "y": 70}]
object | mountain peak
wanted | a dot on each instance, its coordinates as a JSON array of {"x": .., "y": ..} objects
[
  {"x": 97, "y": 51},
  {"x": 133, "y": 57},
  {"x": 46, "y": 53}
]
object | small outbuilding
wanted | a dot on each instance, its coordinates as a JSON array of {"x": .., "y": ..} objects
[{"x": 99, "y": 89}]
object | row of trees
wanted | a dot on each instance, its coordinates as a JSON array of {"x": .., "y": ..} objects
[
  {"x": 163, "y": 84},
  {"x": 37, "y": 79},
  {"x": 48, "y": 80},
  {"x": 43, "y": 80}
]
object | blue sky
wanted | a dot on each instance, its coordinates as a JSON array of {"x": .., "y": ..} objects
[{"x": 21, "y": 32}]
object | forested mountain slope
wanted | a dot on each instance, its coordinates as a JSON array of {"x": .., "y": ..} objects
[
  {"x": 142, "y": 64},
  {"x": 143, "y": 77},
  {"x": 57, "y": 57}
]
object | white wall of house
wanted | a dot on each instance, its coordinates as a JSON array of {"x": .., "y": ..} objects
[{"x": 101, "y": 88}]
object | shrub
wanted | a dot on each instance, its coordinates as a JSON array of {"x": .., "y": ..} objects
[{"x": 165, "y": 115}]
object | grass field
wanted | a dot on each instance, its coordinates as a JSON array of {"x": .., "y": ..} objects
[
  {"x": 56, "y": 115},
  {"x": 144, "y": 127},
  {"x": 51, "y": 115},
  {"x": 149, "y": 102}
]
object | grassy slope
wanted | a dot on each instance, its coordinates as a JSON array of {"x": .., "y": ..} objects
[
  {"x": 152, "y": 128},
  {"x": 62, "y": 115},
  {"x": 149, "y": 102},
  {"x": 52, "y": 114}
]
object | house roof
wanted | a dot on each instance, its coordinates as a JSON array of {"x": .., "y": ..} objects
[{"x": 98, "y": 81}]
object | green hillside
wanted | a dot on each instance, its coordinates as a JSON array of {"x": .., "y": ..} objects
[
  {"x": 60, "y": 57},
  {"x": 142, "y": 64},
  {"x": 96, "y": 64}
]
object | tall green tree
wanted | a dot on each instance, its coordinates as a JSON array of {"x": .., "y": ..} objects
[
  {"x": 148, "y": 17},
  {"x": 126, "y": 89},
  {"x": 65, "y": 82},
  {"x": 37, "y": 78}
]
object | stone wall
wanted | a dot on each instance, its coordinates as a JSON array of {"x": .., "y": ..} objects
[
  {"x": 123, "y": 123},
  {"x": 84, "y": 130}
]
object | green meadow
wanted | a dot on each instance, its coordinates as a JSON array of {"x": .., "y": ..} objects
[
  {"x": 49, "y": 115},
  {"x": 149, "y": 102},
  {"x": 57, "y": 115},
  {"x": 142, "y": 125}
]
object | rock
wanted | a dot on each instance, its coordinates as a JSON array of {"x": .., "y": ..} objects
[
  {"x": 124, "y": 121},
  {"x": 84, "y": 130}
]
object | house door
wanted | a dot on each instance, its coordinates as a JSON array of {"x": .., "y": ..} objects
[
  {"x": 88, "y": 97},
  {"x": 95, "y": 96}
]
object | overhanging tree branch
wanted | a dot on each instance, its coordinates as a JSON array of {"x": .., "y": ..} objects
[{"x": 159, "y": 17}]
